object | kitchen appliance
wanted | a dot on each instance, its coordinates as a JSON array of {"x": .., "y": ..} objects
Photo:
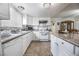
[{"x": 43, "y": 32}]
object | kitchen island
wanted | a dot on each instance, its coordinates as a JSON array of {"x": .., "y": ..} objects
[{"x": 65, "y": 44}]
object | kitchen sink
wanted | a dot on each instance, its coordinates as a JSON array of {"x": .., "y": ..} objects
[{"x": 4, "y": 34}]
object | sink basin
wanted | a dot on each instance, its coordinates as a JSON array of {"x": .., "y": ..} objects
[
  {"x": 15, "y": 31},
  {"x": 4, "y": 34}
]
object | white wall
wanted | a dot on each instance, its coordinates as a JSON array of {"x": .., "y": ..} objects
[{"x": 15, "y": 19}]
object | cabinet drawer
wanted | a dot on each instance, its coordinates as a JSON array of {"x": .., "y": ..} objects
[
  {"x": 10, "y": 43},
  {"x": 14, "y": 50}
]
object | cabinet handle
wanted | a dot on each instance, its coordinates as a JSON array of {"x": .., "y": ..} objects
[
  {"x": 62, "y": 42},
  {"x": 56, "y": 43}
]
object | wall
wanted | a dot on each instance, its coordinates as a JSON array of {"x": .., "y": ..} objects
[{"x": 15, "y": 19}]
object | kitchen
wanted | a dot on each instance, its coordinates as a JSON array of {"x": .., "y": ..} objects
[{"x": 39, "y": 29}]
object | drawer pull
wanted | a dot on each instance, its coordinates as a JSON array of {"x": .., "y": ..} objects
[
  {"x": 62, "y": 43},
  {"x": 56, "y": 43}
]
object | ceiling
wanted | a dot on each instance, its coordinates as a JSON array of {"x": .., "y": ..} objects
[
  {"x": 56, "y": 10},
  {"x": 72, "y": 10}
]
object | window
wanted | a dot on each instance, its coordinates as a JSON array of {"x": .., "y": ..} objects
[{"x": 25, "y": 20}]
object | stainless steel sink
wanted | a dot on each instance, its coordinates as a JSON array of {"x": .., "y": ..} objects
[
  {"x": 15, "y": 31},
  {"x": 4, "y": 34}
]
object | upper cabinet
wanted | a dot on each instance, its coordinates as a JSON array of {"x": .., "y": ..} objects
[
  {"x": 15, "y": 18},
  {"x": 4, "y": 11}
]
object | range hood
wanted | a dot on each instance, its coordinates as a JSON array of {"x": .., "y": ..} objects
[{"x": 43, "y": 21}]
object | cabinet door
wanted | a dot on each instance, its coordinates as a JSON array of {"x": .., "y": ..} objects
[
  {"x": 15, "y": 49},
  {"x": 36, "y": 34},
  {"x": 26, "y": 41},
  {"x": 4, "y": 11},
  {"x": 77, "y": 51},
  {"x": 0, "y": 49},
  {"x": 55, "y": 49},
  {"x": 30, "y": 38},
  {"x": 25, "y": 45},
  {"x": 54, "y": 46},
  {"x": 67, "y": 49}
]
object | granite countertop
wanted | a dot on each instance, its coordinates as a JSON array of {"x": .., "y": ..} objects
[
  {"x": 13, "y": 36},
  {"x": 71, "y": 38}
]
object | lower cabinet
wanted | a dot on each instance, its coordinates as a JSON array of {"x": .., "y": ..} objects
[
  {"x": 0, "y": 49},
  {"x": 77, "y": 51},
  {"x": 66, "y": 49},
  {"x": 13, "y": 48},
  {"x": 36, "y": 36},
  {"x": 18, "y": 46},
  {"x": 26, "y": 41},
  {"x": 54, "y": 46},
  {"x": 60, "y": 47}
]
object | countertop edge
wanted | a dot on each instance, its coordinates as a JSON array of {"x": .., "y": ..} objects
[{"x": 10, "y": 39}]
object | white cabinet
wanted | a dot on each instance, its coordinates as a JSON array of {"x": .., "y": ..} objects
[
  {"x": 13, "y": 48},
  {"x": 76, "y": 51},
  {"x": 15, "y": 19},
  {"x": 29, "y": 20},
  {"x": 4, "y": 11},
  {"x": 17, "y": 46},
  {"x": 54, "y": 46},
  {"x": 0, "y": 49},
  {"x": 36, "y": 35},
  {"x": 66, "y": 49},
  {"x": 26, "y": 41},
  {"x": 60, "y": 47}
]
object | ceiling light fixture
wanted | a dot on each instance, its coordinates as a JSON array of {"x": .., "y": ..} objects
[
  {"x": 46, "y": 5},
  {"x": 21, "y": 7}
]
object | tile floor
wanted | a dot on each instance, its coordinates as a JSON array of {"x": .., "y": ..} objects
[{"x": 37, "y": 48}]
